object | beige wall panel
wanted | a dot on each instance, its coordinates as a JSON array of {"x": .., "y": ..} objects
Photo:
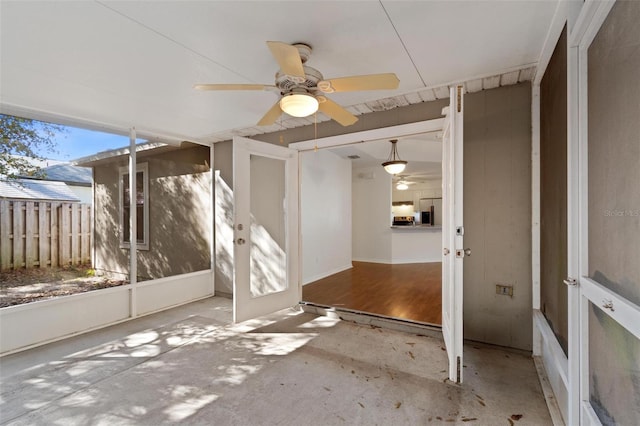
[
  {"x": 223, "y": 161},
  {"x": 497, "y": 215},
  {"x": 553, "y": 192},
  {"x": 394, "y": 117}
]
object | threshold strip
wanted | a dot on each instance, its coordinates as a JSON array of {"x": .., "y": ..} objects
[{"x": 374, "y": 320}]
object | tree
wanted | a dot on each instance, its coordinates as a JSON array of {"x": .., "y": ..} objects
[{"x": 25, "y": 140}]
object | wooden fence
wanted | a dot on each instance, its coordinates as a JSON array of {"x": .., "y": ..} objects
[{"x": 43, "y": 234}]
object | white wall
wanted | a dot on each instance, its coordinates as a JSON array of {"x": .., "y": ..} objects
[
  {"x": 372, "y": 215},
  {"x": 373, "y": 238},
  {"x": 416, "y": 245},
  {"x": 325, "y": 199}
]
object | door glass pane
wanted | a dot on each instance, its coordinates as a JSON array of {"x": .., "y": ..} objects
[
  {"x": 268, "y": 262},
  {"x": 614, "y": 370}
]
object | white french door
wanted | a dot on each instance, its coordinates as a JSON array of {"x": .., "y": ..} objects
[
  {"x": 604, "y": 313},
  {"x": 265, "y": 192},
  {"x": 453, "y": 233}
]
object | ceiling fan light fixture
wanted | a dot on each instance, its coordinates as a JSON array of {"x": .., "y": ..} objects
[
  {"x": 299, "y": 104},
  {"x": 394, "y": 164},
  {"x": 402, "y": 186}
]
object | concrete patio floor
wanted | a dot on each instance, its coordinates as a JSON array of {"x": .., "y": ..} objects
[{"x": 190, "y": 365}]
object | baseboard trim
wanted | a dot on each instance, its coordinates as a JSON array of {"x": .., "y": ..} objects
[
  {"x": 547, "y": 391},
  {"x": 326, "y": 274},
  {"x": 554, "y": 362}
]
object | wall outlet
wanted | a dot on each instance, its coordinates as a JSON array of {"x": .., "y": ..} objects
[{"x": 505, "y": 290}]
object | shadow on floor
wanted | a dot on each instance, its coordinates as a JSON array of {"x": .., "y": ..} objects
[{"x": 190, "y": 365}]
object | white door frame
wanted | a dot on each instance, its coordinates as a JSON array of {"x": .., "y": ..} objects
[{"x": 245, "y": 305}]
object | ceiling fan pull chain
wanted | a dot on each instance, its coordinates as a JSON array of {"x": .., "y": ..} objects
[{"x": 315, "y": 130}]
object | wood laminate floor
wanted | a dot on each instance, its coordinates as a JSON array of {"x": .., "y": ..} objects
[{"x": 409, "y": 291}]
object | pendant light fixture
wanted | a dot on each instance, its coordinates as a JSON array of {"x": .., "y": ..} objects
[{"x": 394, "y": 164}]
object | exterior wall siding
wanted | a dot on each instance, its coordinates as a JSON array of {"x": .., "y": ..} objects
[{"x": 179, "y": 215}]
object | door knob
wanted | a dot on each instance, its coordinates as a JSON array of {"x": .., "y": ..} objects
[
  {"x": 463, "y": 252},
  {"x": 446, "y": 251}
]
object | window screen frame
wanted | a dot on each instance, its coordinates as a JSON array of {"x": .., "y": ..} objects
[{"x": 124, "y": 171}]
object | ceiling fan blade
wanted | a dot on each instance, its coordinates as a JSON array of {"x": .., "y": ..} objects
[
  {"x": 234, "y": 87},
  {"x": 271, "y": 116},
  {"x": 338, "y": 113},
  {"x": 287, "y": 57},
  {"x": 360, "y": 82}
]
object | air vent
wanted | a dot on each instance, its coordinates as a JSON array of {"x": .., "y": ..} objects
[{"x": 353, "y": 157}]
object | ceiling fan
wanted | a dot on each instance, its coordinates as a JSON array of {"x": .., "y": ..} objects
[
  {"x": 402, "y": 182},
  {"x": 302, "y": 88}
]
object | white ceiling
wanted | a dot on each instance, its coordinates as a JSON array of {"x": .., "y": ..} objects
[{"x": 119, "y": 64}]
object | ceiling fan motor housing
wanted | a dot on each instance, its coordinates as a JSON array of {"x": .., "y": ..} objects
[{"x": 287, "y": 83}]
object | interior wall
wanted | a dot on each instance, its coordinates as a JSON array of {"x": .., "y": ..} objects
[
  {"x": 372, "y": 215},
  {"x": 553, "y": 192},
  {"x": 325, "y": 200},
  {"x": 416, "y": 245},
  {"x": 614, "y": 210},
  {"x": 497, "y": 215}
]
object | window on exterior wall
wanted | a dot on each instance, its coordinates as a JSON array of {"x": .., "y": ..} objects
[{"x": 142, "y": 207}]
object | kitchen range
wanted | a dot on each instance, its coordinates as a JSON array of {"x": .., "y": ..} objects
[{"x": 428, "y": 214}]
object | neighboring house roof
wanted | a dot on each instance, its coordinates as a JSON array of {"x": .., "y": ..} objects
[
  {"x": 30, "y": 189},
  {"x": 72, "y": 175},
  {"x": 142, "y": 150},
  {"x": 67, "y": 173}
]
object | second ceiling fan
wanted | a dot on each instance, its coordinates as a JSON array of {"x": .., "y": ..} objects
[{"x": 302, "y": 88}]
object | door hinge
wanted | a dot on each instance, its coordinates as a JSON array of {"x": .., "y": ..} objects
[
  {"x": 460, "y": 230},
  {"x": 459, "y": 98}
]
